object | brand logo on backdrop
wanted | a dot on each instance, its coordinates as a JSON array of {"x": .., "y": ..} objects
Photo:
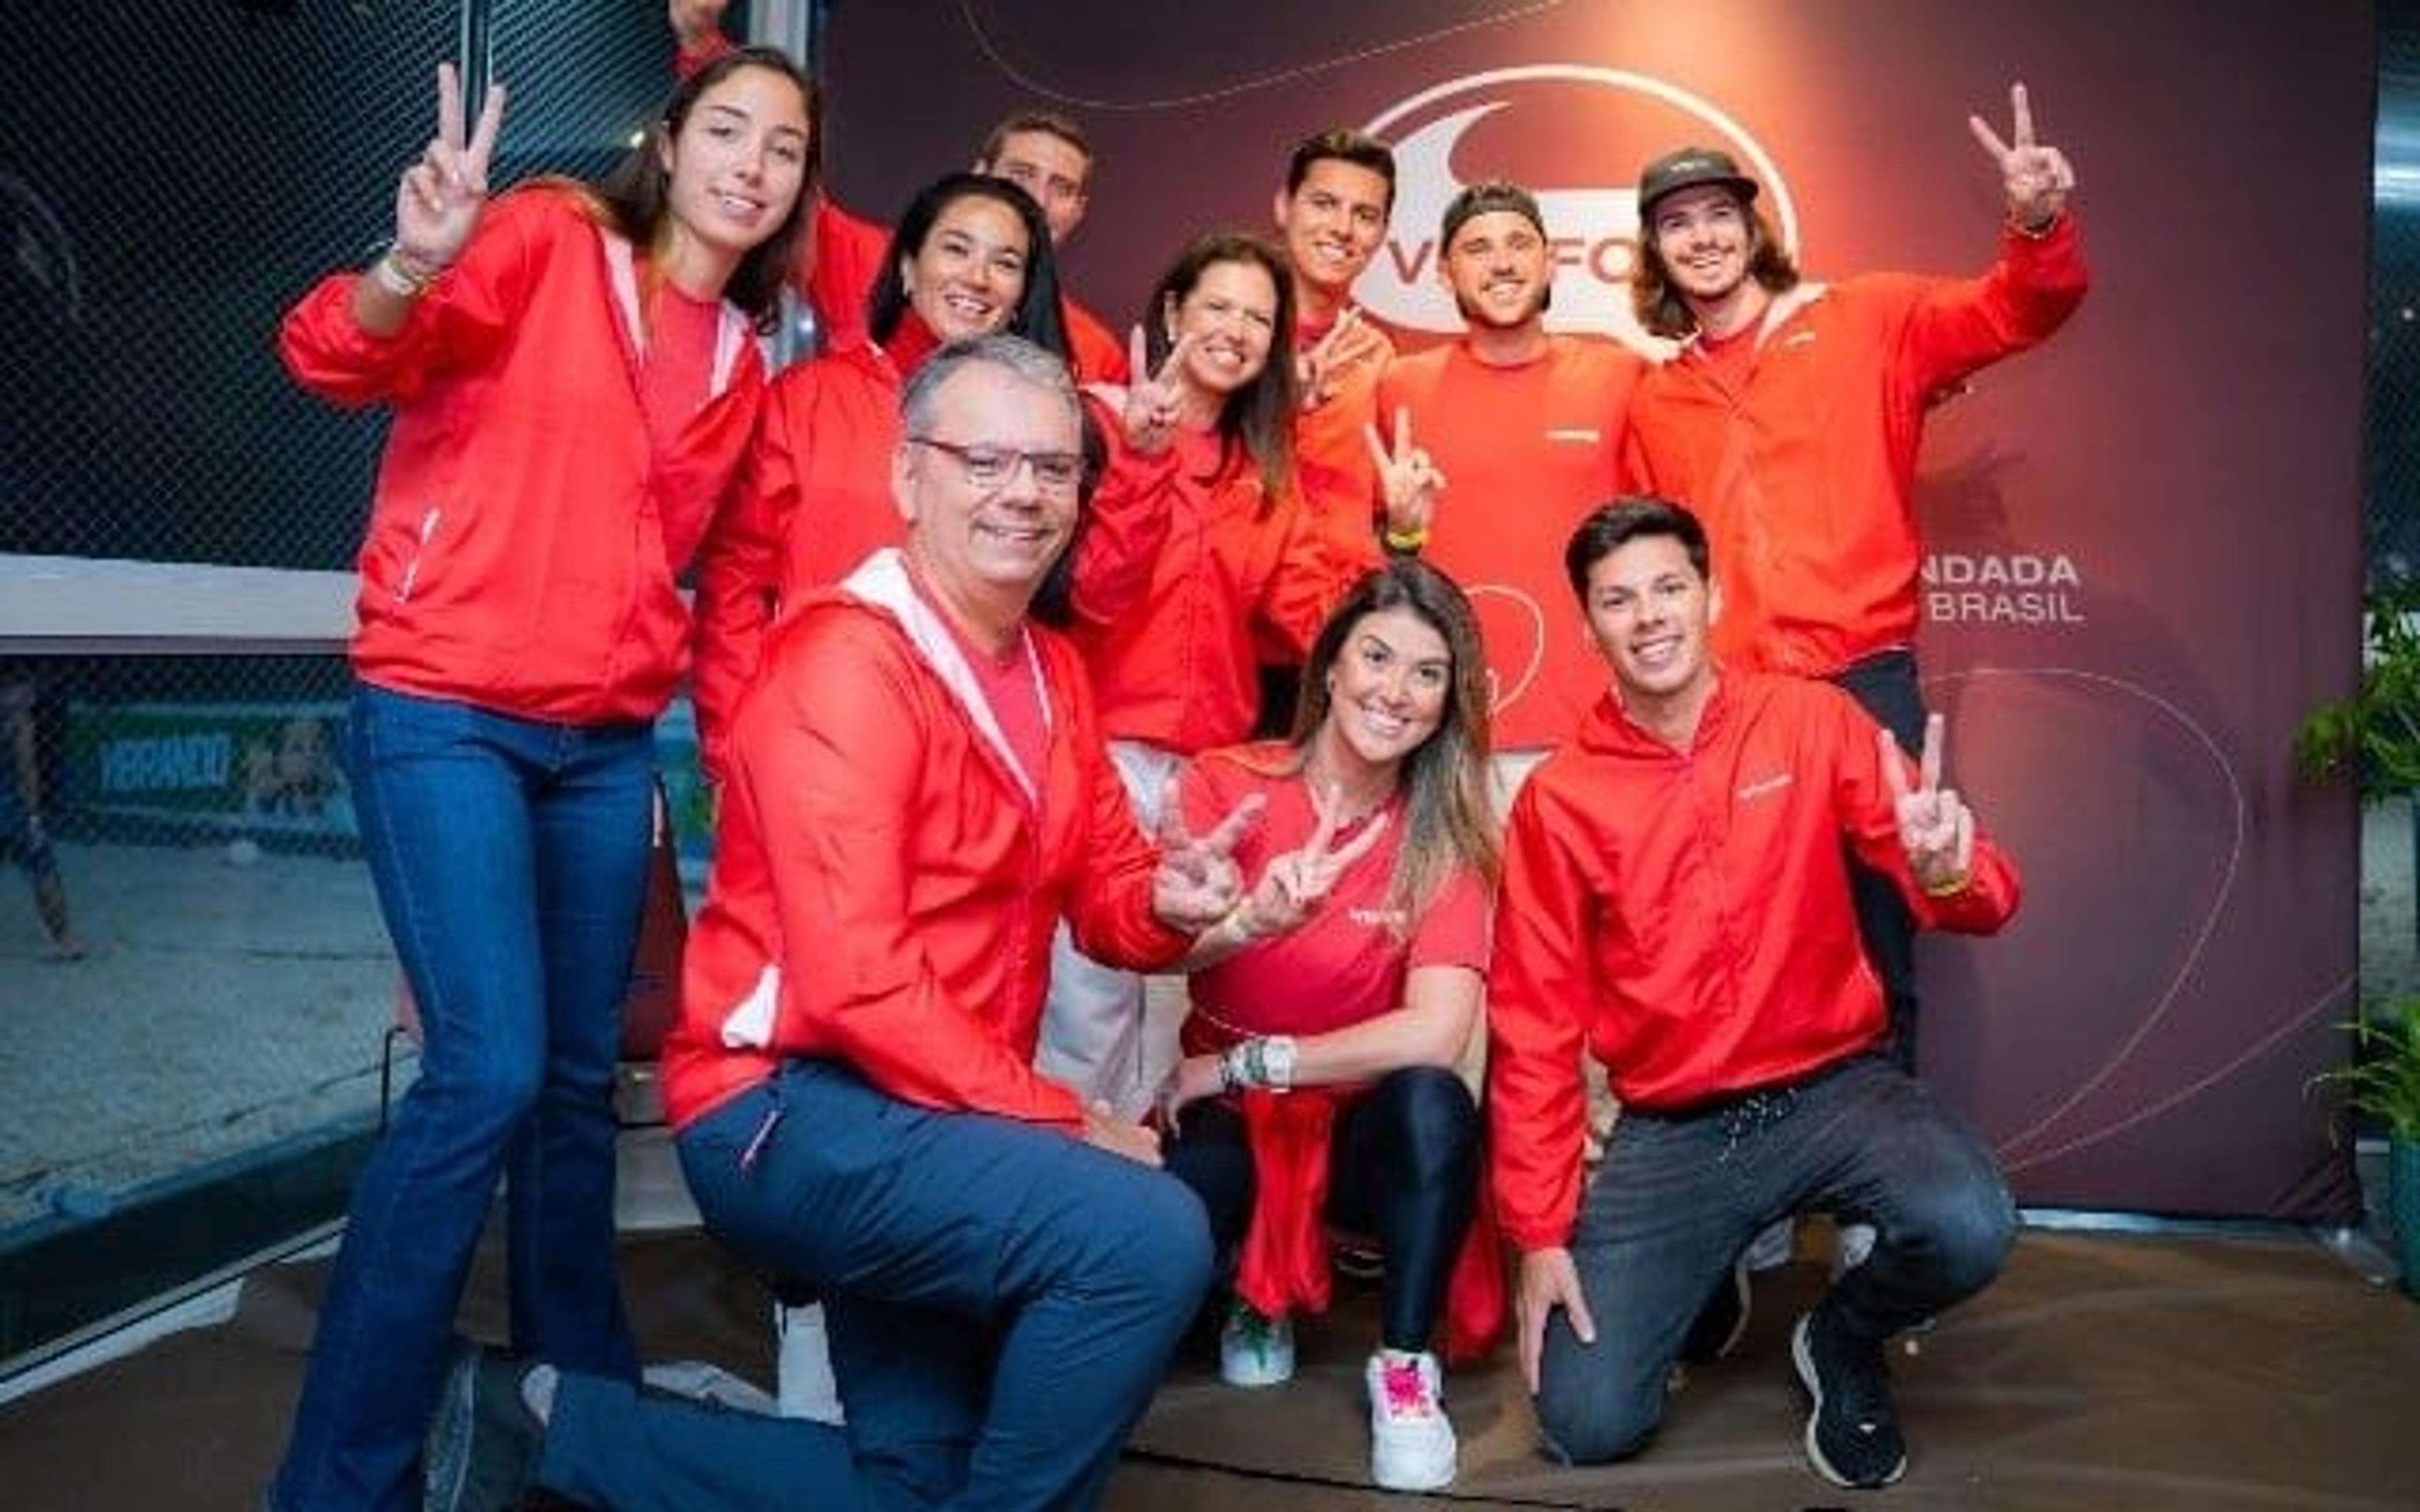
[
  {"x": 2002, "y": 588},
  {"x": 1590, "y": 205}
]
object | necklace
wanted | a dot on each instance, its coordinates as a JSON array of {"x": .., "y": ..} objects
[{"x": 1351, "y": 807}]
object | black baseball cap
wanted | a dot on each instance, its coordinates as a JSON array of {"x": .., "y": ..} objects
[
  {"x": 1688, "y": 168},
  {"x": 1485, "y": 197}
]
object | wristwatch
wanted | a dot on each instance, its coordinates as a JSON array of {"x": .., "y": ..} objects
[{"x": 1277, "y": 1062}]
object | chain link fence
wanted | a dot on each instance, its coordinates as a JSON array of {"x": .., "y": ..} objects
[{"x": 194, "y": 977}]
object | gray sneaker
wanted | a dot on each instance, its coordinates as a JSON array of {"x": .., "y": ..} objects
[{"x": 483, "y": 1444}]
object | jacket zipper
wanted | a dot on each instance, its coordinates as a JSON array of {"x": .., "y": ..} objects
[{"x": 411, "y": 569}]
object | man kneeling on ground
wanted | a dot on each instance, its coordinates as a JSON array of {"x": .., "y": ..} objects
[
  {"x": 917, "y": 794},
  {"x": 1676, "y": 900}
]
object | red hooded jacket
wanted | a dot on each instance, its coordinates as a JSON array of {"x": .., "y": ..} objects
[
  {"x": 1684, "y": 917},
  {"x": 524, "y": 536}
]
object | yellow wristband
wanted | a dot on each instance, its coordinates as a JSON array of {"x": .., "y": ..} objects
[
  {"x": 1406, "y": 541},
  {"x": 1950, "y": 889}
]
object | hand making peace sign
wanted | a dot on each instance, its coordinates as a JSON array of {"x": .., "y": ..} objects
[
  {"x": 1154, "y": 400},
  {"x": 1294, "y": 884},
  {"x": 2037, "y": 179},
  {"x": 1348, "y": 343},
  {"x": 1935, "y": 827},
  {"x": 1408, "y": 480},
  {"x": 437, "y": 205},
  {"x": 1197, "y": 883}
]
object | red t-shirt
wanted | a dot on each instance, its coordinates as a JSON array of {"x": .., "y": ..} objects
[
  {"x": 1011, "y": 686},
  {"x": 1526, "y": 452},
  {"x": 1348, "y": 961},
  {"x": 678, "y": 371}
]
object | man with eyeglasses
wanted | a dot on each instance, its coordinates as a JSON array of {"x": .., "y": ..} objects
[{"x": 918, "y": 792}]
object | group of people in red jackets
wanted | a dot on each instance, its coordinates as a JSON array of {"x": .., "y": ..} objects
[{"x": 1029, "y": 661}]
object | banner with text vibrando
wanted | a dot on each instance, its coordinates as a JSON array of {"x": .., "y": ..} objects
[{"x": 2143, "y": 544}]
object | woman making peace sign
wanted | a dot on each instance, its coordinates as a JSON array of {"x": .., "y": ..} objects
[
  {"x": 1330, "y": 1008},
  {"x": 573, "y": 372}
]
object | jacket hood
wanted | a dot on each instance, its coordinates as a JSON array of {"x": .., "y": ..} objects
[{"x": 881, "y": 585}]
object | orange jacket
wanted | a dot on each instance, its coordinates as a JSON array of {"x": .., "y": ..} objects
[
  {"x": 1175, "y": 666},
  {"x": 1526, "y": 452},
  {"x": 814, "y": 501},
  {"x": 524, "y": 536},
  {"x": 1684, "y": 916},
  {"x": 1805, "y": 476},
  {"x": 885, "y": 886}
]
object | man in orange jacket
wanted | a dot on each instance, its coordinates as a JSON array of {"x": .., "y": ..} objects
[
  {"x": 1674, "y": 903},
  {"x": 1791, "y": 421}
]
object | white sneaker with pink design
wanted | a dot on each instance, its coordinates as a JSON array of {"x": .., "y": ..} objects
[{"x": 1411, "y": 1442}]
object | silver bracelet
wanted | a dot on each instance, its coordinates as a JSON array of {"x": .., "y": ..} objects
[{"x": 391, "y": 274}]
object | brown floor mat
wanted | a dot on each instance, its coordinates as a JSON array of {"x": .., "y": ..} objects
[{"x": 2099, "y": 1372}]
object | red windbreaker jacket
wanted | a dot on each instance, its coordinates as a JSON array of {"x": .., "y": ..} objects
[
  {"x": 1805, "y": 476},
  {"x": 524, "y": 536},
  {"x": 1172, "y": 655},
  {"x": 1684, "y": 915},
  {"x": 887, "y": 878}
]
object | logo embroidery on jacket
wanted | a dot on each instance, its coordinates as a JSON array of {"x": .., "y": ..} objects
[{"x": 1763, "y": 785}]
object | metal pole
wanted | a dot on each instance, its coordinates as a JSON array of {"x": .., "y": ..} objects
[{"x": 474, "y": 54}]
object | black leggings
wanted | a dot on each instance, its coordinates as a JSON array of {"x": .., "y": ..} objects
[{"x": 1403, "y": 1166}]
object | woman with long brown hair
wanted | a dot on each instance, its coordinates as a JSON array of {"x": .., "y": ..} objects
[{"x": 573, "y": 372}]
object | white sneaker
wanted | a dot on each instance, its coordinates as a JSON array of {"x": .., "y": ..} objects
[
  {"x": 1411, "y": 1441},
  {"x": 1253, "y": 1350},
  {"x": 709, "y": 1384},
  {"x": 804, "y": 1386},
  {"x": 1857, "y": 1242}
]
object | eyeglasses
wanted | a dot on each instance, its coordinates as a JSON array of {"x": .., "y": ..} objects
[{"x": 990, "y": 467}]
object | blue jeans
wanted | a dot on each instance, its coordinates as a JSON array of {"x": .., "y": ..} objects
[
  {"x": 1678, "y": 1199},
  {"x": 510, "y": 860},
  {"x": 1003, "y": 1300}
]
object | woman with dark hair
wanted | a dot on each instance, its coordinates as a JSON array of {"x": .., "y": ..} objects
[
  {"x": 971, "y": 257},
  {"x": 1243, "y": 575},
  {"x": 573, "y": 374},
  {"x": 1330, "y": 1009}
]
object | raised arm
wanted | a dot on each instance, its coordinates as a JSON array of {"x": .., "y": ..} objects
[
  {"x": 1921, "y": 833},
  {"x": 356, "y": 338}
]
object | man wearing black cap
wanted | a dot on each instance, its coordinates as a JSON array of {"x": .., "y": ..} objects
[
  {"x": 1517, "y": 434},
  {"x": 1790, "y": 423}
]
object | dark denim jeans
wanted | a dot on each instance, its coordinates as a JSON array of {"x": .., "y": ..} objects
[
  {"x": 1003, "y": 1301},
  {"x": 1884, "y": 685},
  {"x": 510, "y": 859},
  {"x": 1678, "y": 1199}
]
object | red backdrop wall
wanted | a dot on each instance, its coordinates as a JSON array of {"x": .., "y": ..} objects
[{"x": 2144, "y": 543}]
